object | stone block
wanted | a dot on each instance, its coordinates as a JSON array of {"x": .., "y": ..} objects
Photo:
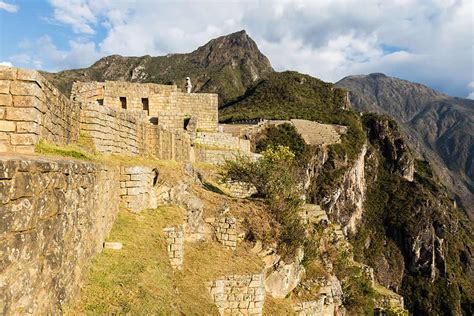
[
  {"x": 23, "y": 114},
  {"x": 26, "y": 88},
  {"x": 7, "y": 126},
  {"x": 29, "y": 75},
  {"x": 8, "y": 73},
  {"x": 26, "y": 101},
  {"x": 113, "y": 245},
  {"x": 27, "y": 127},
  {"x": 23, "y": 139},
  {"x": 5, "y": 100},
  {"x": 5, "y": 86}
]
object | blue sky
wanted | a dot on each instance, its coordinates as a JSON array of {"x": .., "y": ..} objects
[{"x": 430, "y": 42}]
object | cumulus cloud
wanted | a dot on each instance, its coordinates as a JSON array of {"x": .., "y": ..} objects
[
  {"x": 75, "y": 13},
  {"x": 8, "y": 7},
  {"x": 428, "y": 42}
]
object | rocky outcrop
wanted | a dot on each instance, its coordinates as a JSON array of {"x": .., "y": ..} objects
[
  {"x": 346, "y": 203},
  {"x": 385, "y": 134},
  {"x": 284, "y": 277},
  {"x": 194, "y": 226},
  {"x": 329, "y": 302}
]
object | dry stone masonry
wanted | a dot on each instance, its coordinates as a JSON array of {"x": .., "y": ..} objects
[
  {"x": 222, "y": 140},
  {"x": 120, "y": 118},
  {"x": 310, "y": 308},
  {"x": 174, "y": 237},
  {"x": 225, "y": 228},
  {"x": 164, "y": 102},
  {"x": 240, "y": 189},
  {"x": 138, "y": 187},
  {"x": 32, "y": 109},
  {"x": 54, "y": 216},
  {"x": 239, "y": 294}
]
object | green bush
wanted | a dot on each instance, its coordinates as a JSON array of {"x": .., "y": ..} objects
[
  {"x": 274, "y": 176},
  {"x": 286, "y": 135}
]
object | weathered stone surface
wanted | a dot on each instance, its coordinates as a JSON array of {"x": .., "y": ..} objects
[
  {"x": 7, "y": 126},
  {"x": 54, "y": 216},
  {"x": 285, "y": 277},
  {"x": 174, "y": 237},
  {"x": 194, "y": 223},
  {"x": 5, "y": 100},
  {"x": 138, "y": 188},
  {"x": 4, "y": 86},
  {"x": 239, "y": 294}
]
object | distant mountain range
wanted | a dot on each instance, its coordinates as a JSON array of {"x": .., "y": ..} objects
[{"x": 438, "y": 127}]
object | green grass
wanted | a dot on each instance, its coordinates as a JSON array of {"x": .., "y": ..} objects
[
  {"x": 63, "y": 151},
  {"x": 138, "y": 279}
]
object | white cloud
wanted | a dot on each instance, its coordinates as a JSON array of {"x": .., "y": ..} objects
[
  {"x": 8, "y": 7},
  {"x": 425, "y": 41},
  {"x": 43, "y": 54},
  {"x": 76, "y": 13},
  {"x": 6, "y": 63},
  {"x": 471, "y": 87}
]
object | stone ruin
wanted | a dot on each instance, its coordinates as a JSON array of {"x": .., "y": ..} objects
[
  {"x": 239, "y": 294},
  {"x": 130, "y": 119}
]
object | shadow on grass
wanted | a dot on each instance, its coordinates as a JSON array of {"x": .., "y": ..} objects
[{"x": 211, "y": 187}]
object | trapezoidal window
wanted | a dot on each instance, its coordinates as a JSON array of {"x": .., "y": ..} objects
[
  {"x": 100, "y": 101},
  {"x": 123, "y": 102},
  {"x": 145, "y": 105}
]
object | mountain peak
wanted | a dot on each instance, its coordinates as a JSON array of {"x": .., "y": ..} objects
[{"x": 377, "y": 75}]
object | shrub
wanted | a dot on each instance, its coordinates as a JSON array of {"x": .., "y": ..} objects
[{"x": 274, "y": 176}]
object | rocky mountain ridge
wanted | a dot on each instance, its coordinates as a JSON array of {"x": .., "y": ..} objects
[
  {"x": 439, "y": 127},
  {"x": 226, "y": 65}
]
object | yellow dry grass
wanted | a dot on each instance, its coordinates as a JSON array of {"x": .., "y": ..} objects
[{"x": 139, "y": 280}]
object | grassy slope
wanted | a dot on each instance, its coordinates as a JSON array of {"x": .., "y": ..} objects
[
  {"x": 288, "y": 95},
  {"x": 139, "y": 280}
]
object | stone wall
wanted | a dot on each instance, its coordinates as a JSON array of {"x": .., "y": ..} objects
[
  {"x": 160, "y": 97},
  {"x": 310, "y": 308},
  {"x": 129, "y": 133},
  {"x": 225, "y": 230},
  {"x": 215, "y": 157},
  {"x": 222, "y": 140},
  {"x": 200, "y": 105},
  {"x": 138, "y": 188},
  {"x": 241, "y": 190},
  {"x": 174, "y": 237},
  {"x": 114, "y": 131},
  {"x": 54, "y": 216},
  {"x": 239, "y": 294},
  {"x": 218, "y": 157},
  {"x": 32, "y": 109},
  {"x": 164, "y": 102}
]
